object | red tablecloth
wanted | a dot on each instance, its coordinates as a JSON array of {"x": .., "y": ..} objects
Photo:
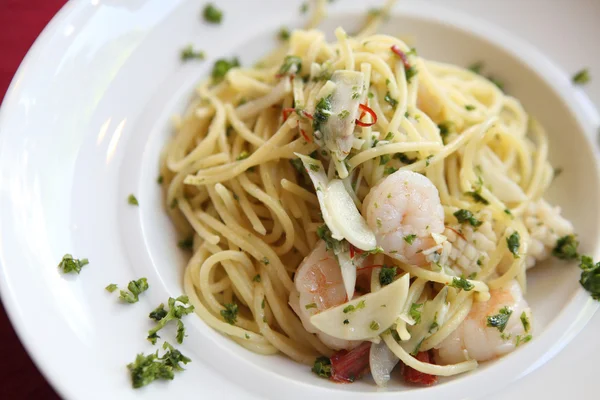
[{"x": 21, "y": 21}]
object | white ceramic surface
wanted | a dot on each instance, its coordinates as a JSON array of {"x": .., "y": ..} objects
[{"x": 83, "y": 125}]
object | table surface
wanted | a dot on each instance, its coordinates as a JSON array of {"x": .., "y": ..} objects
[{"x": 21, "y": 21}]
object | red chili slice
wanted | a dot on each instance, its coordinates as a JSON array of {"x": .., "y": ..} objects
[
  {"x": 457, "y": 232},
  {"x": 411, "y": 375},
  {"x": 368, "y": 110},
  {"x": 402, "y": 55},
  {"x": 348, "y": 366},
  {"x": 286, "y": 112},
  {"x": 305, "y": 136},
  {"x": 355, "y": 251}
]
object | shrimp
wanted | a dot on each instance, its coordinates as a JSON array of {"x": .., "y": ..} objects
[
  {"x": 474, "y": 339},
  {"x": 319, "y": 286},
  {"x": 403, "y": 210}
]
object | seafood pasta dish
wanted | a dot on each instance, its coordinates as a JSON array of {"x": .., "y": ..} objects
[{"x": 359, "y": 208}]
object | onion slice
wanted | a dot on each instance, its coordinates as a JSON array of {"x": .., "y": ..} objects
[{"x": 382, "y": 361}]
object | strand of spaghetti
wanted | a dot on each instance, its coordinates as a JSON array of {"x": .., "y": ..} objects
[
  {"x": 250, "y": 244},
  {"x": 449, "y": 326},
  {"x": 198, "y": 227},
  {"x": 345, "y": 50},
  {"x": 289, "y": 203},
  {"x": 219, "y": 286},
  {"x": 440, "y": 277},
  {"x": 207, "y": 145},
  {"x": 391, "y": 148},
  {"x": 300, "y": 192},
  {"x": 518, "y": 263},
  {"x": 375, "y": 20},
  {"x": 241, "y": 128},
  {"x": 213, "y": 321},
  {"x": 228, "y": 201},
  {"x": 248, "y": 85},
  {"x": 253, "y": 107},
  {"x": 426, "y": 368}
]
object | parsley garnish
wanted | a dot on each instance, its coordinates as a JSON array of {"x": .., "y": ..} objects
[
  {"x": 222, "y": 66},
  {"x": 243, "y": 155},
  {"x": 310, "y": 305},
  {"x": 212, "y": 14},
  {"x": 467, "y": 216},
  {"x": 384, "y": 159},
  {"x": 513, "y": 243},
  {"x": 404, "y": 158},
  {"x": 284, "y": 34},
  {"x": 415, "y": 312},
  {"x": 469, "y": 107},
  {"x": 162, "y": 316},
  {"x": 499, "y": 320},
  {"x": 322, "y": 112},
  {"x": 135, "y": 289},
  {"x": 148, "y": 368},
  {"x": 389, "y": 170},
  {"x": 346, "y": 322},
  {"x": 256, "y": 278},
  {"x": 159, "y": 180},
  {"x": 325, "y": 234},
  {"x": 387, "y": 274},
  {"x": 389, "y": 136},
  {"x": 351, "y": 308},
  {"x": 391, "y": 101},
  {"x": 344, "y": 114},
  {"x": 476, "y": 67},
  {"x": 186, "y": 244},
  {"x": 428, "y": 160},
  {"x": 590, "y": 276},
  {"x": 445, "y": 129},
  {"x": 322, "y": 367},
  {"x": 476, "y": 195},
  {"x": 69, "y": 264},
  {"x": 132, "y": 200},
  {"x": 462, "y": 283},
  {"x": 112, "y": 287},
  {"x": 291, "y": 64},
  {"x": 582, "y": 77},
  {"x": 410, "y": 238},
  {"x": 230, "y": 313},
  {"x": 374, "y": 325},
  {"x": 566, "y": 248},
  {"x": 525, "y": 321},
  {"x": 522, "y": 340},
  {"x": 188, "y": 53}
]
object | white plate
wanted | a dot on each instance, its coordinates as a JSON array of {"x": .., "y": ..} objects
[{"x": 82, "y": 127}]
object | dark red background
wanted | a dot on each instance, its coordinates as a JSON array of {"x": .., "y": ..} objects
[{"x": 21, "y": 21}]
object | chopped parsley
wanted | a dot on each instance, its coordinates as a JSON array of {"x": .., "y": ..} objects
[
  {"x": 188, "y": 53},
  {"x": 291, "y": 65},
  {"x": 384, "y": 159},
  {"x": 467, "y": 216},
  {"x": 256, "y": 278},
  {"x": 428, "y": 160},
  {"x": 404, "y": 158},
  {"x": 159, "y": 180},
  {"x": 415, "y": 312},
  {"x": 434, "y": 325},
  {"x": 477, "y": 197},
  {"x": 135, "y": 289},
  {"x": 389, "y": 136},
  {"x": 410, "y": 238},
  {"x": 148, "y": 368},
  {"x": 112, "y": 287},
  {"x": 69, "y": 264},
  {"x": 163, "y": 316},
  {"x": 507, "y": 212},
  {"x": 230, "y": 313},
  {"x": 186, "y": 244},
  {"x": 391, "y": 101},
  {"x": 322, "y": 367},
  {"x": 387, "y": 274},
  {"x": 344, "y": 114},
  {"x": 445, "y": 128},
  {"x": 476, "y": 67},
  {"x": 499, "y": 320},
  {"x": 389, "y": 170},
  {"x": 284, "y": 34},
  {"x": 522, "y": 340},
  {"x": 132, "y": 200},
  {"x": 525, "y": 321},
  {"x": 222, "y": 66},
  {"x": 322, "y": 112},
  {"x": 265, "y": 261},
  {"x": 351, "y": 308},
  {"x": 582, "y": 77},
  {"x": 374, "y": 325},
  {"x": 513, "y": 243},
  {"x": 346, "y": 322},
  {"x": 590, "y": 276},
  {"x": 243, "y": 155},
  {"x": 310, "y": 305},
  {"x": 462, "y": 283},
  {"x": 324, "y": 234},
  {"x": 566, "y": 248},
  {"x": 469, "y": 107},
  {"x": 212, "y": 14}
]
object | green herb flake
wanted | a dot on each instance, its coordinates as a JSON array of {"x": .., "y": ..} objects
[
  {"x": 428, "y": 160},
  {"x": 284, "y": 34},
  {"x": 346, "y": 322},
  {"x": 135, "y": 288},
  {"x": 69, "y": 264},
  {"x": 163, "y": 316},
  {"x": 132, "y": 200},
  {"x": 212, "y": 14},
  {"x": 566, "y": 248},
  {"x": 410, "y": 238},
  {"x": 351, "y": 308},
  {"x": 590, "y": 276},
  {"x": 499, "y": 320},
  {"x": 158, "y": 313},
  {"x": 230, "y": 313},
  {"x": 188, "y": 53},
  {"x": 389, "y": 170},
  {"x": 112, "y": 287},
  {"x": 322, "y": 112},
  {"x": 148, "y": 368},
  {"x": 265, "y": 261},
  {"x": 391, "y": 101},
  {"x": 513, "y": 243},
  {"x": 374, "y": 326},
  {"x": 304, "y": 8},
  {"x": 476, "y": 67},
  {"x": 462, "y": 283},
  {"x": 291, "y": 65},
  {"x": 467, "y": 216},
  {"x": 222, "y": 66},
  {"x": 384, "y": 159},
  {"x": 310, "y": 305},
  {"x": 322, "y": 367},
  {"x": 525, "y": 322},
  {"x": 523, "y": 339},
  {"x": 243, "y": 155},
  {"x": 477, "y": 197},
  {"x": 160, "y": 179},
  {"x": 344, "y": 114},
  {"x": 469, "y": 107},
  {"x": 445, "y": 128},
  {"x": 582, "y": 77},
  {"x": 415, "y": 312},
  {"x": 186, "y": 244},
  {"x": 387, "y": 275},
  {"x": 404, "y": 158},
  {"x": 256, "y": 278},
  {"x": 174, "y": 203}
]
